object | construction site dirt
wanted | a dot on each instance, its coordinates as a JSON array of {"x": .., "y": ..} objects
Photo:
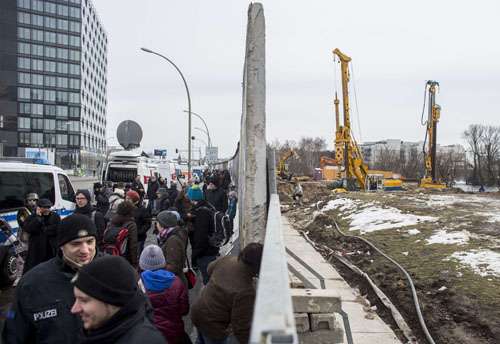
[{"x": 448, "y": 241}]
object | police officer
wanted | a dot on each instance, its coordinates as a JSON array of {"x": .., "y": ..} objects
[{"x": 44, "y": 296}]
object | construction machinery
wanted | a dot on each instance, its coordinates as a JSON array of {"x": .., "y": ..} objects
[
  {"x": 283, "y": 171},
  {"x": 430, "y": 180},
  {"x": 347, "y": 152}
]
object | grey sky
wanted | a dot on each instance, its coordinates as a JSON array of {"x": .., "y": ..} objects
[{"x": 395, "y": 46}]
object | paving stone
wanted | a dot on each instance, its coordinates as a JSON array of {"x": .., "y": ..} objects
[
  {"x": 302, "y": 322},
  {"x": 315, "y": 301},
  {"x": 322, "y": 321},
  {"x": 322, "y": 337}
]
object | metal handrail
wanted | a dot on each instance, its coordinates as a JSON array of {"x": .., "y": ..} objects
[{"x": 273, "y": 318}]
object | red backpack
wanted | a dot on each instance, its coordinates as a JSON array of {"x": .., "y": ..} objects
[{"x": 115, "y": 240}]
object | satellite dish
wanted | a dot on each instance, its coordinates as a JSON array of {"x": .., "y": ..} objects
[{"x": 129, "y": 134}]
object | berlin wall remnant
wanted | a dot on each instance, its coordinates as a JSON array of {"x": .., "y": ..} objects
[{"x": 252, "y": 164}]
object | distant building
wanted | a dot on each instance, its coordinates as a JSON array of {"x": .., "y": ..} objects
[
  {"x": 53, "y": 81},
  {"x": 372, "y": 150}
]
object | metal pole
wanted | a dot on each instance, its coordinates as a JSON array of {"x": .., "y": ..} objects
[
  {"x": 189, "y": 104},
  {"x": 206, "y": 127}
]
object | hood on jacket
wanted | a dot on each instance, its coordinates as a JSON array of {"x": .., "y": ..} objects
[{"x": 157, "y": 280}]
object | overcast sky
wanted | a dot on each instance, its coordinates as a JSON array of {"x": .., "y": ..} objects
[{"x": 395, "y": 46}]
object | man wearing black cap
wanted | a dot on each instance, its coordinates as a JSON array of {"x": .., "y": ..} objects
[
  {"x": 110, "y": 305},
  {"x": 44, "y": 296},
  {"x": 41, "y": 226}
]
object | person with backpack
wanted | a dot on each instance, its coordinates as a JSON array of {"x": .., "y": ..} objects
[
  {"x": 216, "y": 195},
  {"x": 120, "y": 237},
  {"x": 167, "y": 294},
  {"x": 200, "y": 215},
  {"x": 84, "y": 207},
  {"x": 117, "y": 197},
  {"x": 173, "y": 241},
  {"x": 142, "y": 218}
]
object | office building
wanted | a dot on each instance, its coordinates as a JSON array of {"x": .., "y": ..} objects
[{"x": 53, "y": 66}]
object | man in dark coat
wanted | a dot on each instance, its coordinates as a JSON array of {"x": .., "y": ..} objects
[
  {"x": 162, "y": 201},
  {"x": 110, "y": 305},
  {"x": 138, "y": 187},
  {"x": 142, "y": 218},
  {"x": 44, "y": 295},
  {"x": 153, "y": 187},
  {"x": 202, "y": 253},
  {"x": 228, "y": 299},
  {"x": 172, "y": 192},
  {"x": 216, "y": 196},
  {"x": 101, "y": 198},
  {"x": 84, "y": 207},
  {"x": 42, "y": 230}
]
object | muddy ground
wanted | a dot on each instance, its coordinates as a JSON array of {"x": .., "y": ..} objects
[{"x": 448, "y": 241}]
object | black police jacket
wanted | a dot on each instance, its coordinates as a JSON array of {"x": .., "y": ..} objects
[{"x": 43, "y": 301}]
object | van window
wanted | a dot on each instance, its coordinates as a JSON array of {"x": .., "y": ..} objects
[
  {"x": 125, "y": 175},
  {"x": 67, "y": 192},
  {"x": 14, "y": 186}
]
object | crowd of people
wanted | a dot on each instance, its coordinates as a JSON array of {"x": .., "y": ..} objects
[{"x": 118, "y": 270}]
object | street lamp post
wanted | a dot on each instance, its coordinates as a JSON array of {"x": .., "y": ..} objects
[
  {"x": 205, "y": 132},
  {"x": 189, "y": 103},
  {"x": 204, "y": 123}
]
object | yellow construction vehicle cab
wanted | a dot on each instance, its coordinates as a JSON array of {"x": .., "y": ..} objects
[
  {"x": 430, "y": 181},
  {"x": 282, "y": 171}
]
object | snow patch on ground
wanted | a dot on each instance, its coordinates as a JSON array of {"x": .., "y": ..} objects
[
  {"x": 413, "y": 231},
  {"x": 446, "y": 200},
  {"x": 491, "y": 217},
  {"x": 368, "y": 217},
  {"x": 373, "y": 219},
  {"x": 482, "y": 262},
  {"x": 341, "y": 204},
  {"x": 448, "y": 238}
]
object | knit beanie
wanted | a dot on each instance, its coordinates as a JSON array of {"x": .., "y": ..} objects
[
  {"x": 167, "y": 219},
  {"x": 134, "y": 196},
  {"x": 195, "y": 193},
  {"x": 152, "y": 258},
  {"x": 74, "y": 227},
  {"x": 84, "y": 192},
  {"x": 110, "y": 279}
]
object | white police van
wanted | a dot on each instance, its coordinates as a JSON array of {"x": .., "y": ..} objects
[{"x": 17, "y": 179}]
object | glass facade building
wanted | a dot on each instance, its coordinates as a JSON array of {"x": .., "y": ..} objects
[{"x": 53, "y": 66}]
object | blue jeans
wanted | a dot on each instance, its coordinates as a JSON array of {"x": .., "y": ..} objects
[
  {"x": 202, "y": 339},
  {"x": 202, "y": 263}
]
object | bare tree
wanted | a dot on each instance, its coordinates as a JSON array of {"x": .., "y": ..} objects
[
  {"x": 473, "y": 136},
  {"x": 490, "y": 141}
]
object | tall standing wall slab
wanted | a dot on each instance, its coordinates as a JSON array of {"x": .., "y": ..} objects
[{"x": 252, "y": 165}]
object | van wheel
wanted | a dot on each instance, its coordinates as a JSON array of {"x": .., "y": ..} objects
[{"x": 8, "y": 271}]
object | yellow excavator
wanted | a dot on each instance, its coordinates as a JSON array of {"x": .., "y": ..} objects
[
  {"x": 430, "y": 181},
  {"x": 347, "y": 152},
  {"x": 283, "y": 171}
]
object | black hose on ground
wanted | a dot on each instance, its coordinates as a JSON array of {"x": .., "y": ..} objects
[{"x": 407, "y": 275}]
